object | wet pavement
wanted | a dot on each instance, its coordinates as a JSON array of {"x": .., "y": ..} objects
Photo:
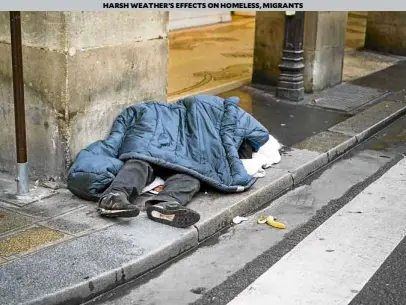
[
  {"x": 290, "y": 123},
  {"x": 293, "y": 122},
  {"x": 390, "y": 140},
  {"x": 392, "y": 78}
]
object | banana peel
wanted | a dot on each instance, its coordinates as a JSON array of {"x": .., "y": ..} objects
[{"x": 271, "y": 221}]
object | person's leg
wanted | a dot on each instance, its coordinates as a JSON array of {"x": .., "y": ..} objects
[
  {"x": 126, "y": 186},
  {"x": 168, "y": 206},
  {"x": 245, "y": 150}
]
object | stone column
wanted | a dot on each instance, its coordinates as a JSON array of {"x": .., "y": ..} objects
[
  {"x": 80, "y": 70},
  {"x": 269, "y": 33},
  {"x": 386, "y": 32},
  {"x": 324, "y": 46}
]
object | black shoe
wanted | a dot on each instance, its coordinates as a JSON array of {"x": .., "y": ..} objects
[
  {"x": 172, "y": 214},
  {"x": 117, "y": 205}
]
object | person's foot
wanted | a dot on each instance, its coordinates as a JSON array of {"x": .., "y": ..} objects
[
  {"x": 172, "y": 214},
  {"x": 117, "y": 205}
]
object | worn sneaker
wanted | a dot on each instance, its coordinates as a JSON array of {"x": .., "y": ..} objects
[
  {"x": 117, "y": 205},
  {"x": 172, "y": 214}
]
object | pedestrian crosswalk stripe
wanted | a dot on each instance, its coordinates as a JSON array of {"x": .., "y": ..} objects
[{"x": 334, "y": 262}]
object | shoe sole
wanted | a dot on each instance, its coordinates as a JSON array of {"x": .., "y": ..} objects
[
  {"x": 179, "y": 218},
  {"x": 118, "y": 213}
]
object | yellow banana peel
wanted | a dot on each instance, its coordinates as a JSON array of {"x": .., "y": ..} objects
[
  {"x": 262, "y": 220},
  {"x": 270, "y": 220}
]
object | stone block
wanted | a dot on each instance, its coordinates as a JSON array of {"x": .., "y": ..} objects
[
  {"x": 102, "y": 86},
  {"x": 302, "y": 163},
  {"x": 80, "y": 70},
  {"x": 28, "y": 240},
  {"x": 269, "y": 37},
  {"x": 10, "y": 221},
  {"x": 318, "y": 74},
  {"x": 38, "y": 29},
  {"x": 334, "y": 144},
  {"x": 58, "y": 204},
  {"x": 88, "y": 30},
  {"x": 324, "y": 42},
  {"x": 118, "y": 72},
  {"x": 80, "y": 221},
  {"x": 46, "y": 148},
  {"x": 96, "y": 262},
  {"x": 386, "y": 32},
  {"x": 391, "y": 17},
  {"x": 217, "y": 210},
  {"x": 365, "y": 123},
  {"x": 44, "y": 73},
  {"x": 45, "y": 99},
  {"x": 331, "y": 29}
]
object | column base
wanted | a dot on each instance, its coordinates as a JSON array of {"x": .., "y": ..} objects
[{"x": 295, "y": 95}]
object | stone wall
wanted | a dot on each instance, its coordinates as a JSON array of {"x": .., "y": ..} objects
[
  {"x": 324, "y": 47},
  {"x": 386, "y": 32},
  {"x": 269, "y": 34},
  {"x": 80, "y": 70}
]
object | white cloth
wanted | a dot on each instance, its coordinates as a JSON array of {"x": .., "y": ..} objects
[
  {"x": 267, "y": 155},
  {"x": 157, "y": 182}
]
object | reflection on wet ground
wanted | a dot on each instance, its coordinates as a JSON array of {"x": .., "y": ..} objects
[
  {"x": 290, "y": 123},
  {"x": 391, "y": 139},
  {"x": 207, "y": 57},
  {"x": 204, "y": 58}
]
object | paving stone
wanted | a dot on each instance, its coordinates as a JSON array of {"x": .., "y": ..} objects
[
  {"x": 28, "y": 240},
  {"x": 10, "y": 220},
  {"x": 390, "y": 78},
  {"x": 217, "y": 210},
  {"x": 79, "y": 221},
  {"x": 88, "y": 265},
  {"x": 301, "y": 163},
  {"x": 6, "y": 181},
  {"x": 61, "y": 203},
  {"x": 8, "y": 191},
  {"x": 369, "y": 121},
  {"x": 35, "y": 194},
  {"x": 346, "y": 97},
  {"x": 332, "y": 143}
]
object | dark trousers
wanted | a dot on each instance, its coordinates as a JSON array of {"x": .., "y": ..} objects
[{"x": 136, "y": 174}]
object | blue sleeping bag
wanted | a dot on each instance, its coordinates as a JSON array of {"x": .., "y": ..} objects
[{"x": 198, "y": 135}]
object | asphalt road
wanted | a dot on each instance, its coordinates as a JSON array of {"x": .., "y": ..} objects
[
  {"x": 221, "y": 269},
  {"x": 388, "y": 285}
]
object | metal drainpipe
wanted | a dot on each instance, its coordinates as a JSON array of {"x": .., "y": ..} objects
[{"x": 19, "y": 107}]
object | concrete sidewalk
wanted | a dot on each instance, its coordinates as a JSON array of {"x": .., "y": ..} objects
[{"x": 58, "y": 250}]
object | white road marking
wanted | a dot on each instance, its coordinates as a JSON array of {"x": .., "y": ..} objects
[{"x": 335, "y": 262}]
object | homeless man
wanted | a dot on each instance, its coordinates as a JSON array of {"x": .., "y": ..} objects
[{"x": 198, "y": 139}]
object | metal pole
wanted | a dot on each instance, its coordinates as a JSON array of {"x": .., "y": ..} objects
[
  {"x": 290, "y": 85},
  {"x": 19, "y": 108}
]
